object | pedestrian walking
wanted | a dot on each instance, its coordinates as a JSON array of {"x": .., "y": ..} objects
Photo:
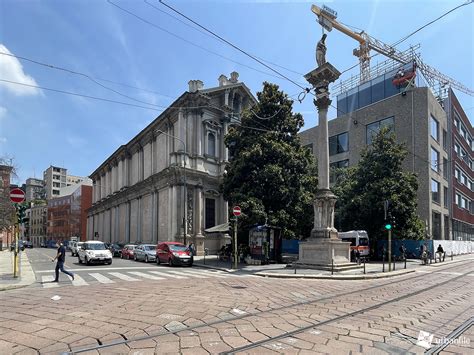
[
  {"x": 61, "y": 258},
  {"x": 191, "y": 248}
]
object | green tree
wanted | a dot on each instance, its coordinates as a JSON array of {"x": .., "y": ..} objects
[
  {"x": 363, "y": 188},
  {"x": 271, "y": 175}
]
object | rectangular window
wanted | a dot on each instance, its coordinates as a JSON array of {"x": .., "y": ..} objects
[
  {"x": 458, "y": 200},
  {"x": 464, "y": 179},
  {"x": 338, "y": 144},
  {"x": 434, "y": 125},
  {"x": 434, "y": 159},
  {"x": 333, "y": 169},
  {"x": 211, "y": 144},
  {"x": 374, "y": 128},
  {"x": 56, "y": 177},
  {"x": 210, "y": 212},
  {"x": 445, "y": 168},
  {"x": 446, "y": 227},
  {"x": 464, "y": 202},
  {"x": 445, "y": 196},
  {"x": 457, "y": 148},
  {"x": 445, "y": 140},
  {"x": 55, "y": 192},
  {"x": 457, "y": 174},
  {"x": 434, "y": 190},
  {"x": 436, "y": 227}
]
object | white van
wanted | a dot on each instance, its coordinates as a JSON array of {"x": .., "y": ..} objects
[{"x": 359, "y": 241}]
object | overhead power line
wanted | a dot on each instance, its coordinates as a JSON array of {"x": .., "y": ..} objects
[
  {"x": 233, "y": 45},
  {"x": 213, "y": 37},
  {"x": 190, "y": 42},
  {"x": 50, "y": 66}
]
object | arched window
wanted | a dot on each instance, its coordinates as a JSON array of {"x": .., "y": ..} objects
[{"x": 211, "y": 144}]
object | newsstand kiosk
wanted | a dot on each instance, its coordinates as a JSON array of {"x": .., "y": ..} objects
[{"x": 265, "y": 245}]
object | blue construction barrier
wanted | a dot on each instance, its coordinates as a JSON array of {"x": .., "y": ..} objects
[
  {"x": 290, "y": 246},
  {"x": 413, "y": 247}
]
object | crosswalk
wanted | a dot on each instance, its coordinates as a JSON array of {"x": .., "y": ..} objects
[{"x": 133, "y": 276}]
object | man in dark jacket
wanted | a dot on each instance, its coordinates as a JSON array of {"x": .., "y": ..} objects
[{"x": 61, "y": 257}]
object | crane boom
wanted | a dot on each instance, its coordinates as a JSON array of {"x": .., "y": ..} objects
[{"x": 327, "y": 19}]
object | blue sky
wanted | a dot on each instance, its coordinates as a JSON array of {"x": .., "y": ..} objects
[{"x": 39, "y": 128}]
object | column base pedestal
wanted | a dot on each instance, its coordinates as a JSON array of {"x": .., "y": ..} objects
[{"x": 325, "y": 254}]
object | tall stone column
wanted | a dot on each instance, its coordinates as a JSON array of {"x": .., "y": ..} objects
[{"x": 323, "y": 249}]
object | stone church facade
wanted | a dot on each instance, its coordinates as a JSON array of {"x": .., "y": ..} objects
[{"x": 139, "y": 191}]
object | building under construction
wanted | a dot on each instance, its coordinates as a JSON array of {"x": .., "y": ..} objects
[{"x": 432, "y": 125}]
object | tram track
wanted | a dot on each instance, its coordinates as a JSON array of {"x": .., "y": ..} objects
[{"x": 316, "y": 300}]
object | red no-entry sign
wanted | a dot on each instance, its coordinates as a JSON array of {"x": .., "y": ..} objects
[
  {"x": 236, "y": 210},
  {"x": 17, "y": 196}
]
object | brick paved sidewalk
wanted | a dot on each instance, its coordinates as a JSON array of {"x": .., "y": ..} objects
[{"x": 26, "y": 274}]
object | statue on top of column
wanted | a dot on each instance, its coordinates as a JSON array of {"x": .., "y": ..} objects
[{"x": 321, "y": 51}]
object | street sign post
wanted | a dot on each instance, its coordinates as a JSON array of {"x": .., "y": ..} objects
[
  {"x": 17, "y": 195},
  {"x": 236, "y": 211}
]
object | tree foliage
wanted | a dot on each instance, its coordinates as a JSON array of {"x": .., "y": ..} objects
[
  {"x": 271, "y": 175},
  {"x": 362, "y": 190}
]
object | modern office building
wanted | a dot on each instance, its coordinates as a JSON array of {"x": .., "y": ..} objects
[
  {"x": 164, "y": 185},
  {"x": 34, "y": 190},
  {"x": 429, "y": 133},
  {"x": 55, "y": 178}
]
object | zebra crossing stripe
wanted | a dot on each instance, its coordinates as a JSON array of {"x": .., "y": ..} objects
[
  {"x": 165, "y": 274},
  {"x": 47, "y": 282},
  {"x": 188, "y": 274},
  {"x": 101, "y": 278},
  {"x": 79, "y": 281},
  {"x": 146, "y": 276},
  {"x": 124, "y": 277},
  {"x": 207, "y": 273}
]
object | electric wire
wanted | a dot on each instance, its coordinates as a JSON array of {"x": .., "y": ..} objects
[
  {"x": 232, "y": 45},
  {"x": 213, "y": 37},
  {"x": 189, "y": 42},
  {"x": 50, "y": 66}
]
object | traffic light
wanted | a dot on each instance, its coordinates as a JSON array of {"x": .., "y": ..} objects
[
  {"x": 21, "y": 213},
  {"x": 388, "y": 226}
]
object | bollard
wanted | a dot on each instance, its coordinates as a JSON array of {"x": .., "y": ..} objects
[
  {"x": 451, "y": 255},
  {"x": 394, "y": 263},
  {"x": 364, "y": 266},
  {"x": 383, "y": 262},
  {"x": 405, "y": 261},
  {"x": 295, "y": 266},
  {"x": 332, "y": 266}
]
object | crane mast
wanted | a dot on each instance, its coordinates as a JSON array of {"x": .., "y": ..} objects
[{"x": 327, "y": 19}]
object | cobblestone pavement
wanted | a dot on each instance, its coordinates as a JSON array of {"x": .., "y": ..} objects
[{"x": 245, "y": 315}]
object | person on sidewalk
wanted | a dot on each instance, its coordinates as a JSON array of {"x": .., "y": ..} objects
[
  {"x": 191, "y": 249},
  {"x": 440, "y": 252},
  {"x": 61, "y": 257}
]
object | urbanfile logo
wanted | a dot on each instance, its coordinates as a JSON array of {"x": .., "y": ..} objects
[{"x": 424, "y": 339}]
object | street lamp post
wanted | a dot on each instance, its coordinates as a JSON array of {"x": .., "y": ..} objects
[{"x": 185, "y": 212}]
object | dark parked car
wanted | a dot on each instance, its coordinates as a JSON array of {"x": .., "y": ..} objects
[
  {"x": 21, "y": 246},
  {"x": 43, "y": 244},
  {"x": 173, "y": 253},
  {"x": 116, "y": 249},
  {"x": 28, "y": 244}
]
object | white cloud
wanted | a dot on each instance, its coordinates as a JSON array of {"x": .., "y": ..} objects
[
  {"x": 3, "y": 112},
  {"x": 12, "y": 70},
  {"x": 3, "y": 140}
]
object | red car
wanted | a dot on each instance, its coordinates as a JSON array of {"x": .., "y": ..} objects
[
  {"x": 127, "y": 251},
  {"x": 173, "y": 253}
]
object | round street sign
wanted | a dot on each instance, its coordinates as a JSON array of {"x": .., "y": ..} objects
[
  {"x": 236, "y": 210},
  {"x": 17, "y": 195}
]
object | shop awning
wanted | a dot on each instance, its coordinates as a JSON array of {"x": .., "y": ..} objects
[{"x": 221, "y": 228}]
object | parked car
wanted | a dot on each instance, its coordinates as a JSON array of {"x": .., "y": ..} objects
[
  {"x": 127, "y": 251},
  {"x": 116, "y": 249},
  {"x": 145, "y": 252},
  {"x": 43, "y": 244},
  {"x": 173, "y": 253},
  {"x": 75, "y": 246},
  {"x": 21, "y": 246},
  {"x": 28, "y": 244},
  {"x": 93, "y": 251}
]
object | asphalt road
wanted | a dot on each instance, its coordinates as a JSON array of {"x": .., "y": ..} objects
[{"x": 245, "y": 315}]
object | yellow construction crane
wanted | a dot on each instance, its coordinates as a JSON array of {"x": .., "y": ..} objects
[{"x": 327, "y": 19}]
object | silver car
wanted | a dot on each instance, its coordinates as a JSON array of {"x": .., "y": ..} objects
[{"x": 146, "y": 252}]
